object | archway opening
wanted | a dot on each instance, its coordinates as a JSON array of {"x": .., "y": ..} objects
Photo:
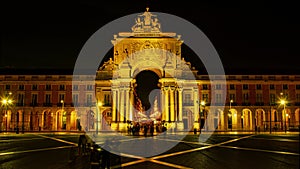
[{"x": 146, "y": 82}]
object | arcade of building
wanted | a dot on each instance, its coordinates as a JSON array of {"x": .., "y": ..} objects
[{"x": 183, "y": 98}]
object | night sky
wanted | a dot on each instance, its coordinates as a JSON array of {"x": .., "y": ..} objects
[{"x": 249, "y": 36}]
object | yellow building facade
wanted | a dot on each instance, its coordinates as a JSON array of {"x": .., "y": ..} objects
[{"x": 180, "y": 100}]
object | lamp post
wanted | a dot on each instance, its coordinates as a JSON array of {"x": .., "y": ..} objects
[
  {"x": 62, "y": 111},
  {"x": 283, "y": 102},
  {"x": 230, "y": 114},
  {"x": 270, "y": 119},
  {"x": 6, "y": 102},
  {"x": 62, "y": 107}
]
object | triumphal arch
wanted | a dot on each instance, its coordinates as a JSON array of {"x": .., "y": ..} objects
[{"x": 147, "y": 49}]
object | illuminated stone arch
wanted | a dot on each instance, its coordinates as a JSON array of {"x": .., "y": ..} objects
[
  {"x": 157, "y": 70},
  {"x": 90, "y": 121},
  {"x": 58, "y": 119},
  {"x": 221, "y": 120},
  {"x": 188, "y": 119},
  {"x": 73, "y": 121},
  {"x": 106, "y": 118},
  {"x": 297, "y": 118},
  {"x": 232, "y": 119},
  {"x": 246, "y": 119},
  {"x": 47, "y": 119},
  {"x": 286, "y": 118},
  {"x": 260, "y": 118}
]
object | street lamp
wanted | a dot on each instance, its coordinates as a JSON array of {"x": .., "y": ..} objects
[
  {"x": 230, "y": 115},
  {"x": 62, "y": 107},
  {"x": 6, "y": 102},
  {"x": 283, "y": 102},
  {"x": 63, "y": 114},
  {"x": 231, "y": 101}
]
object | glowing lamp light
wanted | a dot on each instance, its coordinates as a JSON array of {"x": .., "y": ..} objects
[
  {"x": 9, "y": 101},
  {"x": 202, "y": 103},
  {"x": 4, "y": 101}
]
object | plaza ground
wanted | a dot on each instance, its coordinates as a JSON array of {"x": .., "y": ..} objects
[{"x": 221, "y": 150}]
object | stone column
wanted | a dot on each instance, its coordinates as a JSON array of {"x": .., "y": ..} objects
[
  {"x": 180, "y": 104},
  {"x": 118, "y": 106},
  {"x": 162, "y": 103},
  {"x": 172, "y": 112},
  {"x": 196, "y": 105},
  {"x": 114, "y": 105},
  {"x": 166, "y": 90},
  {"x": 131, "y": 103},
  {"x": 122, "y": 110},
  {"x": 127, "y": 101}
]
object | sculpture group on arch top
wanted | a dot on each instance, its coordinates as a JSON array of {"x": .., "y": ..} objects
[{"x": 147, "y": 48}]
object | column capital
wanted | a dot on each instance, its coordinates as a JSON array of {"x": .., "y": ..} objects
[{"x": 166, "y": 88}]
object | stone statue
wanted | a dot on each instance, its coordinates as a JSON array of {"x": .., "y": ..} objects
[{"x": 138, "y": 25}]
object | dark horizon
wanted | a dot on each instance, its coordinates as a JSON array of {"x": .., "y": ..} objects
[{"x": 250, "y": 37}]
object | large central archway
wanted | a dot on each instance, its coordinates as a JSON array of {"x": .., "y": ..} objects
[{"x": 146, "y": 83}]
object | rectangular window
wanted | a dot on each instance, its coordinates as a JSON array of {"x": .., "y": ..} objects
[
  {"x": 7, "y": 87},
  {"x": 258, "y": 87},
  {"x": 75, "y": 87},
  {"x": 89, "y": 87},
  {"x": 218, "y": 98},
  {"x": 34, "y": 87},
  {"x": 245, "y": 97},
  {"x": 259, "y": 98},
  {"x": 272, "y": 98},
  {"x": 205, "y": 97},
  {"x": 21, "y": 87},
  {"x": 232, "y": 97},
  {"x": 61, "y": 97},
  {"x": 272, "y": 87},
  {"x": 48, "y": 87},
  {"x": 34, "y": 99},
  {"x": 204, "y": 87},
  {"x": 89, "y": 99},
  {"x": 75, "y": 99},
  {"x": 285, "y": 87},
  {"x": 187, "y": 98},
  {"x": 218, "y": 86},
  {"x": 106, "y": 99},
  {"x": 245, "y": 86},
  {"x": 231, "y": 87},
  {"x": 48, "y": 98},
  {"x": 298, "y": 86},
  {"x": 21, "y": 99},
  {"x": 298, "y": 98},
  {"x": 61, "y": 87}
]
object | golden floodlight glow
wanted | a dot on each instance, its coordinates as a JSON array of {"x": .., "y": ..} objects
[
  {"x": 203, "y": 103},
  {"x": 61, "y": 101},
  {"x": 4, "y": 101},
  {"x": 100, "y": 104},
  {"x": 282, "y": 102},
  {"x": 9, "y": 101}
]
